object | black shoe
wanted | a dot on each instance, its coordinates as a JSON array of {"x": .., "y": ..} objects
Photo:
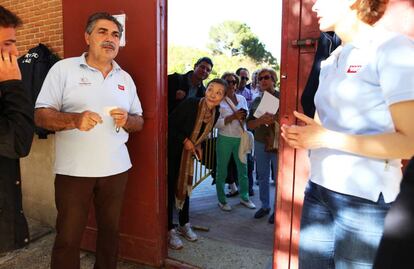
[
  {"x": 261, "y": 213},
  {"x": 232, "y": 194},
  {"x": 251, "y": 193},
  {"x": 272, "y": 218}
]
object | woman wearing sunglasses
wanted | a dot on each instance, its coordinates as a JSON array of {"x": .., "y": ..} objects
[
  {"x": 265, "y": 137},
  {"x": 363, "y": 125},
  {"x": 233, "y": 111}
]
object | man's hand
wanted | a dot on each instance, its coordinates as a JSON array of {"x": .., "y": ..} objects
[
  {"x": 9, "y": 69},
  {"x": 120, "y": 117},
  {"x": 87, "y": 120},
  {"x": 180, "y": 94}
]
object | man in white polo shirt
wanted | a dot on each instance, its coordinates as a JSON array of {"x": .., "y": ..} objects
[{"x": 92, "y": 105}]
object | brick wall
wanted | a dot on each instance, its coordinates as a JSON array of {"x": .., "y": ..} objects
[{"x": 42, "y": 23}]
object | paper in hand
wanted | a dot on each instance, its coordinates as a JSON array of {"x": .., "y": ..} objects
[
  {"x": 107, "y": 110},
  {"x": 269, "y": 104}
]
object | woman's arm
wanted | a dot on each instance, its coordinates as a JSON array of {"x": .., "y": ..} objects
[{"x": 395, "y": 145}]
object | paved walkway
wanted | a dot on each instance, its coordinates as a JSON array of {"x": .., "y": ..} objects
[{"x": 235, "y": 241}]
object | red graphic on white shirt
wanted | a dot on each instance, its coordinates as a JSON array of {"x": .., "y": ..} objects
[
  {"x": 353, "y": 68},
  {"x": 121, "y": 87}
]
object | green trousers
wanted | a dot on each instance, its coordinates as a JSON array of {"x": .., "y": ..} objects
[{"x": 224, "y": 148}]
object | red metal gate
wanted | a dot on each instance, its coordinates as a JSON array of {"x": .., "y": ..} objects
[{"x": 300, "y": 24}]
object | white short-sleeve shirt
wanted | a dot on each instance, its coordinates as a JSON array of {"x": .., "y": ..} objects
[
  {"x": 73, "y": 86},
  {"x": 358, "y": 83},
  {"x": 233, "y": 129}
]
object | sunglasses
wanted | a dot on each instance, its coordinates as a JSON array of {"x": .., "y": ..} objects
[
  {"x": 244, "y": 78},
  {"x": 231, "y": 82},
  {"x": 264, "y": 77}
]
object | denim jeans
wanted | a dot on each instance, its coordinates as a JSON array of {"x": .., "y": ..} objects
[
  {"x": 338, "y": 230},
  {"x": 263, "y": 160}
]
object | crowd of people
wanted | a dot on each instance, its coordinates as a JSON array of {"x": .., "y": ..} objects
[
  {"x": 361, "y": 129},
  {"x": 234, "y": 115}
]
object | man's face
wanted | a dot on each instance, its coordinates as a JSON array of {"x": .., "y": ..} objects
[
  {"x": 244, "y": 77},
  {"x": 103, "y": 41},
  {"x": 8, "y": 40},
  {"x": 202, "y": 70}
]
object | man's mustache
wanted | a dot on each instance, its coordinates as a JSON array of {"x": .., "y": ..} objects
[{"x": 108, "y": 44}]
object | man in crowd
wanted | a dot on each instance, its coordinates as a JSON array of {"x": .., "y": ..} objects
[
  {"x": 190, "y": 84},
  {"x": 92, "y": 105},
  {"x": 16, "y": 135},
  {"x": 243, "y": 74}
]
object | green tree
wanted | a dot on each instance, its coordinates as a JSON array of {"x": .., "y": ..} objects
[
  {"x": 181, "y": 60},
  {"x": 233, "y": 38}
]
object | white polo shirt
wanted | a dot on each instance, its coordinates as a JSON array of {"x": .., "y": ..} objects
[
  {"x": 73, "y": 86},
  {"x": 233, "y": 129},
  {"x": 358, "y": 83}
]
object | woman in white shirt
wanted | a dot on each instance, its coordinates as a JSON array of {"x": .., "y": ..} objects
[
  {"x": 233, "y": 111},
  {"x": 362, "y": 127}
]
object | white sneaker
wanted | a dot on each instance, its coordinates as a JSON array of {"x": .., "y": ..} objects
[
  {"x": 187, "y": 232},
  {"x": 224, "y": 207},
  {"x": 174, "y": 241},
  {"x": 248, "y": 204}
]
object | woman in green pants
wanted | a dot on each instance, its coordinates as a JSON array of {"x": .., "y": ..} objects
[{"x": 233, "y": 111}]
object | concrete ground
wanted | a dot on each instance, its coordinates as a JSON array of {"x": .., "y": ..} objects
[{"x": 235, "y": 241}]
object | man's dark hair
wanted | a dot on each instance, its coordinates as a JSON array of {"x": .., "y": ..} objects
[
  {"x": 8, "y": 18},
  {"x": 241, "y": 69},
  {"x": 101, "y": 16},
  {"x": 204, "y": 59}
]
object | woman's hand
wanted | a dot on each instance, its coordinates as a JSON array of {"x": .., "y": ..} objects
[
  {"x": 310, "y": 136},
  {"x": 199, "y": 152},
  {"x": 188, "y": 145},
  {"x": 238, "y": 115},
  {"x": 267, "y": 119}
]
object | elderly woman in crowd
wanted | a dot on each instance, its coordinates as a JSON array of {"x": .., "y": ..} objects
[
  {"x": 189, "y": 124},
  {"x": 233, "y": 111},
  {"x": 266, "y": 134}
]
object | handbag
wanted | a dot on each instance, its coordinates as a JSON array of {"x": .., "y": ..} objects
[
  {"x": 272, "y": 138},
  {"x": 246, "y": 139}
]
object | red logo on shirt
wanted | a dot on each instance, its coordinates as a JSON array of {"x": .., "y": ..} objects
[
  {"x": 353, "y": 68},
  {"x": 121, "y": 87}
]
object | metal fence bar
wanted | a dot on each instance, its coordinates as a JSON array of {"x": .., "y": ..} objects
[{"x": 203, "y": 171}]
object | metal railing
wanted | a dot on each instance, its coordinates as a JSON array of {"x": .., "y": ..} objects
[{"x": 204, "y": 167}]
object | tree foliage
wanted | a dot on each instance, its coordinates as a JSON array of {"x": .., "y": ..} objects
[
  {"x": 181, "y": 59},
  {"x": 233, "y": 38}
]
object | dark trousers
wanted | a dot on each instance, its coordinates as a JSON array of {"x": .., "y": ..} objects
[
  {"x": 183, "y": 214},
  {"x": 397, "y": 243},
  {"x": 250, "y": 167},
  {"x": 73, "y": 196}
]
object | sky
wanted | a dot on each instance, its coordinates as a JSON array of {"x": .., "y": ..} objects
[{"x": 189, "y": 21}]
